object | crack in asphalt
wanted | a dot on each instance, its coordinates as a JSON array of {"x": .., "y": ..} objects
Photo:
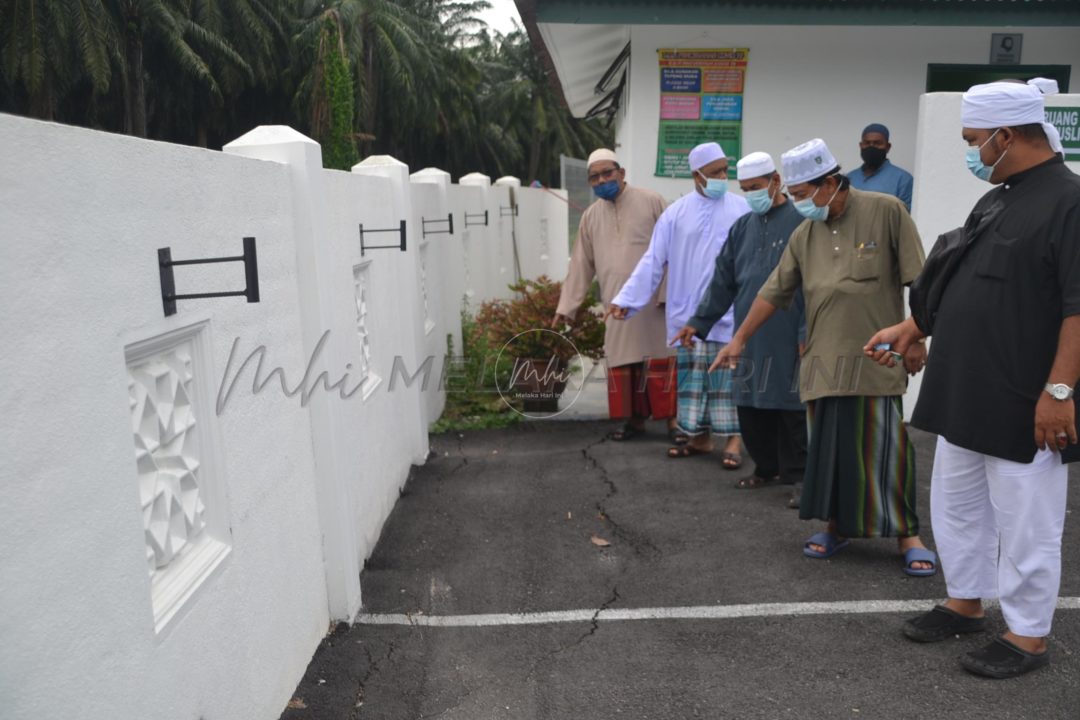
[
  {"x": 594, "y": 623},
  {"x": 640, "y": 544},
  {"x": 461, "y": 451},
  {"x": 595, "y": 464},
  {"x": 373, "y": 668}
]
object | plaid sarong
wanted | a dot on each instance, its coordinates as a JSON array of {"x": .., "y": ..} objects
[{"x": 705, "y": 402}]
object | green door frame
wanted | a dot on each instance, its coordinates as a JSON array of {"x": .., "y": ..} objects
[{"x": 948, "y": 77}]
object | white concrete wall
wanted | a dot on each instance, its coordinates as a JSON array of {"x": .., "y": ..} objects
[
  {"x": 98, "y": 622},
  {"x": 829, "y": 83},
  {"x": 542, "y": 233},
  {"x": 83, "y": 216}
]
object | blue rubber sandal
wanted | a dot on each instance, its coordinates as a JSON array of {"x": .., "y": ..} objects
[
  {"x": 830, "y": 542},
  {"x": 914, "y": 555}
]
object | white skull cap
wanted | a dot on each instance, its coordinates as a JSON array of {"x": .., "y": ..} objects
[
  {"x": 704, "y": 154},
  {"x": 602, "y": 154},
  {"x": 808, "y": 161},
  {"x": 756, "y": 164}
]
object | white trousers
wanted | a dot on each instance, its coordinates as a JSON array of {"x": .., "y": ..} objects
[{"x": 998, "y": 525}]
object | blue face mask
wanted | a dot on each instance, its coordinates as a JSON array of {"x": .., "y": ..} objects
[
  {"x": 810, "y": 211},
  {"x": 760, "y": 200},
  {"x": 714, "y": 187},
  {"x": 975, "y": 163},
  {"x": 608, "y": 190}
]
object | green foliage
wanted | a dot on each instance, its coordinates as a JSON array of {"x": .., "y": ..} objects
[
  {"x": 472, "y": 400},
  {"x": 422, "y": 80},
  {"x": 522, "y": 325},
  {"x": 335, "y": 131}
]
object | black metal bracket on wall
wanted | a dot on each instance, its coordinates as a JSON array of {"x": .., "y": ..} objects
[
  {"x": 448, "y": 230},
  {"x": 168, "y": 282},
  {"x": 508, "y": 210},
  {"x": 399, "y": 229},
  {"x": 469, "y": 216}
]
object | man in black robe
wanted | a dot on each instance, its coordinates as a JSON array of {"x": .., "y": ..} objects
[{"x": 1004, "y": 313}]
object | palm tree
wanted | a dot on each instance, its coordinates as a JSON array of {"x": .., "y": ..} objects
[
  {"x": 181, "y": 44},
  {"x": 46, "y": 46},
  {"x": 520, "y": 96}
]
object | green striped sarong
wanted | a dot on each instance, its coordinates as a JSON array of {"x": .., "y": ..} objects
[{"x": 860, "y": 469}]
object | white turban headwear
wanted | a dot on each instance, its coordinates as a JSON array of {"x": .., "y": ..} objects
[
  {"x": 1006, "y": 104},
  {"x": 704, "y": 154}
]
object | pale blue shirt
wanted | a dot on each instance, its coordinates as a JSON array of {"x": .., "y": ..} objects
[
  {"x": 686, "y": 240},
  {"x": 889, "y": 179}
]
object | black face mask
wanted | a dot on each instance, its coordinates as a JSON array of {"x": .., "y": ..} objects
[{"x": 873, "y": 157}]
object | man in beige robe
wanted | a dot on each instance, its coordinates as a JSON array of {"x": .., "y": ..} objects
[{"x": 613, "y": 235}]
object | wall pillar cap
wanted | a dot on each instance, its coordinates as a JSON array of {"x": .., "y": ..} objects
[
  {"x": 429, "y": 174},
  {"x": 379, "y": 161},
  {"x": 475, "y": 179},
  {"x": 269, "y": 135},
  {"x": 508, "y": 181}
]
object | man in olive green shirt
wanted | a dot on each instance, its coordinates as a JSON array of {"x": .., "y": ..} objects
[
  {"x": 851, "y": 257},
  {"x": 852, "y": 270}
]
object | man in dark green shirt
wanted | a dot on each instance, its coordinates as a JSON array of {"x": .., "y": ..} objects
[{"x": 765, "y": 384}]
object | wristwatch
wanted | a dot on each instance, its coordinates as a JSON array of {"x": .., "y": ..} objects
[{"x": 1059, "y": 391}]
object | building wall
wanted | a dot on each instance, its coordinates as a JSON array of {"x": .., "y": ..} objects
[
  {"x": 827, "y": 82},
  {"x": 174, "y": 548}
]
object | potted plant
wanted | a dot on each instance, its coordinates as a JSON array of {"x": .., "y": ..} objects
[{"x": 536, "y": 359}]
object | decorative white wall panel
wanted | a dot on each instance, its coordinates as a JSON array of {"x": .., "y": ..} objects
[
  {"x": 369, "y": 379},
  {"x": 429, "y": 324},
  {"x": 166, "y": 453},
  {"x": 179, "y": 481}
]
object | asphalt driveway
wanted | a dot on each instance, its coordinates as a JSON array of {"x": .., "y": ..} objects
[{"x": 544, "y": 572}]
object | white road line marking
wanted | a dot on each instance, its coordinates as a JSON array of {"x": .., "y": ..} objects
[{"x": 703, "y": 612}]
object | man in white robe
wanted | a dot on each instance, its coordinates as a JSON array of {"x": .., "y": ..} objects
[{"x": 685, "y": 242}]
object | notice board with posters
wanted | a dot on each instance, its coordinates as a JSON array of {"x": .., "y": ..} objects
[{"x": 701, "y": 100}]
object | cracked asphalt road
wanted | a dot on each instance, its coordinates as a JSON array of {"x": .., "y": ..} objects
[{"x": 501, "y": 521}]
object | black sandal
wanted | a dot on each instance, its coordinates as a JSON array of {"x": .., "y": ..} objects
[
  {"x": 685, "y": 451},
  {"x": 730, "y": 460},
  {"x": 941, "y": 623},
  {"x": 677, "y": 437},
  {"x": 752, "y": 482},
  {"x": 1001, "y": 659},
  {"x": 626, "y": 432}
]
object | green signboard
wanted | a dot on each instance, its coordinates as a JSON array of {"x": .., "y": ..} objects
[{"x": 1067, "y": 122}]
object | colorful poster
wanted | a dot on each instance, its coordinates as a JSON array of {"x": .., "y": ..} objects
[
  {"x": 1067, "y": 122},
  {"x": 701, "y": 100}
]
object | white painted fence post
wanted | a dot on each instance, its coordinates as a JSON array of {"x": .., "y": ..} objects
[
  {"x": 447, "y": 271},
  {"x": 411, "y": 311},
  {"x": 509, "y": 238},
  {"x": 484, "y": 262},
  {"x": 318, "y": 272}
]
